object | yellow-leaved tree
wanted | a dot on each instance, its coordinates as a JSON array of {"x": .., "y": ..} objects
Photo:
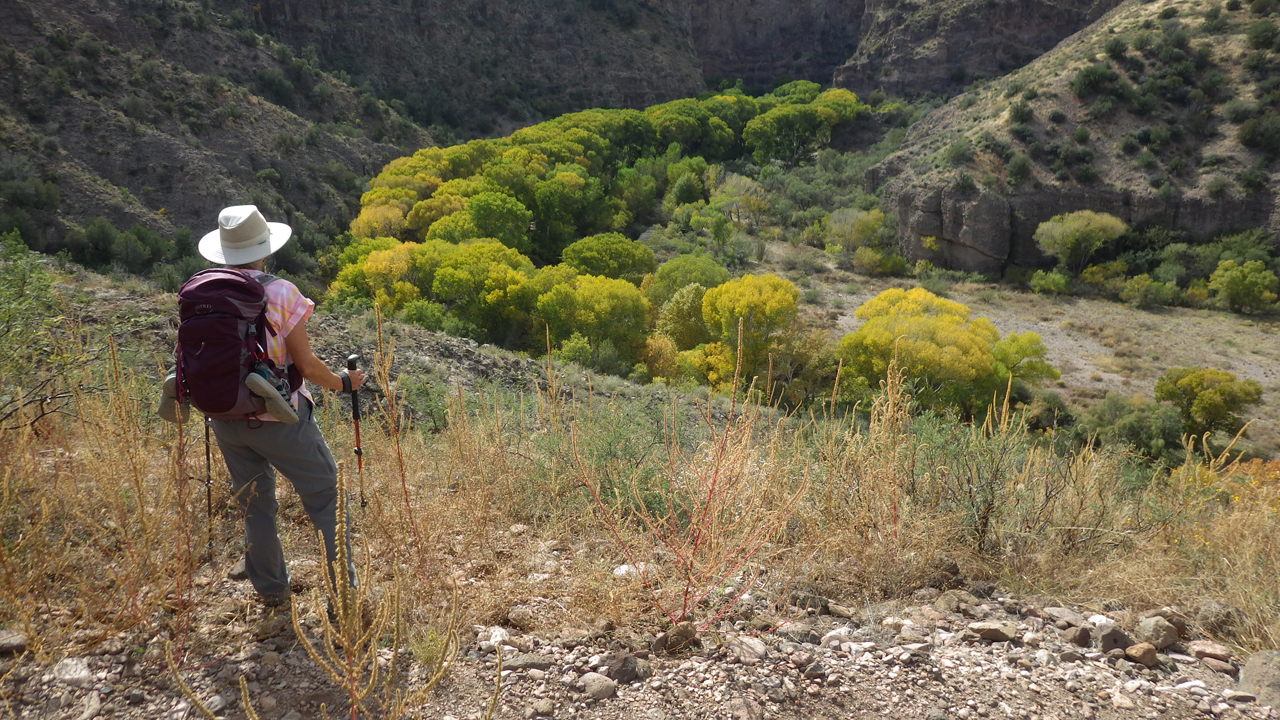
[
  {"x": 951, "y": 359},
  {"x": 766, "y": 305}
]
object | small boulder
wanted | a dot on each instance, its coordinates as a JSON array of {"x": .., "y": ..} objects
[
  {"x": 993, "y": 631},
  {"x": 1144, "y": 653},
  {"x": 1078, "y": 636},
  {"x": 681, "y": 637},
  {"x": 1207, "y": 648},
  {"x": 1219, "y": 618},
  {"x": 12, "y": 642},
  {"x": 1219, "y": 666},
  {"x": 527, "y": 661},
  {"x": 1261, "y": 677},
  {"x": 798, "y": 631},
  {"x": 1061, "y": 614},
  {"x": 623, "y": 667},
  {"x": 542, "y": 708},
  {"x": 1110, "y": 637},
  {"x": 74, "y": 672},
  {"x": 1157, "y": 631},
  {"x": 749, "y": 648},
  {"x": 598, "y": 686},
  {"x": 744, "y": 709}
]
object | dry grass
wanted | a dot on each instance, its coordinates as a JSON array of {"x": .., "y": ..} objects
[{"x": 103, "y": 527}]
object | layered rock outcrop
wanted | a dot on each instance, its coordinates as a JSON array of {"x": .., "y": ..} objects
[
  {"x": 986, "y": 232},
  {"x": 760, "y": 40},
  {"x": 912, "y": 48}
]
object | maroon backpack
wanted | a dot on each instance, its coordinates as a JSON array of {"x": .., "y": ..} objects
[{"x": 222, "y": 317}]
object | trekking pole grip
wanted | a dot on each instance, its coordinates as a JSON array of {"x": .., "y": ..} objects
[{"x": 355, "y": 399}]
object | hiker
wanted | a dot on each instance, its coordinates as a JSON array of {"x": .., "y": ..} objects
[{"x": 286, "y": 437}]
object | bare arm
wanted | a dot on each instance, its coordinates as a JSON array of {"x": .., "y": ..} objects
[{"x": 312, "y": 367}]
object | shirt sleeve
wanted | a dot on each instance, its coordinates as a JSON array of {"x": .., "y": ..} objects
[{"x": 295, "y": 308}]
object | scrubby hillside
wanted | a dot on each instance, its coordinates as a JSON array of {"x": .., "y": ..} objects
[
  {"x": 1160, "y": 113},
  {"x": 909, "y": 48},
  {"x": 155, "y": 113}
]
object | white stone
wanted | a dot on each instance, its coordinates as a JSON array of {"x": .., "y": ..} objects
[{"x": 73, "y": 672}]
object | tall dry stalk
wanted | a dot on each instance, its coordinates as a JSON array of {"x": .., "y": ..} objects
[{"x": 709, "y": 515}]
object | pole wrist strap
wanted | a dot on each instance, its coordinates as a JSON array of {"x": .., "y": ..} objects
[{"x": 346, "y": 380}]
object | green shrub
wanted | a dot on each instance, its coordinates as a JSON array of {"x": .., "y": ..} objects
[
  {"x": 1143, "y": 292},
  {"x": 1262, "y": 34},
  {"x": 1143, "y": 42},
  {"x": 1020, "y": 112},
  {"x": 1057, "y": 116},
  {"x": 1146, "y": 159},
  {"x": 1237, "y": 110},
  {"x": 964, "y": 184},
  {"x": 1092, "y": 79},
  {"x": 958, "y": 153},
  {"x": 1116, "y": 47},
  {"x": 1086, "y": 173},
  {"x": 1080, "y": 135},
  {"x": 1019, "y": 169},
  {"x": 1246, "y": 287},
  {"x": 1217, "y": 186},
  {"x": 1152, "y": 429},
  {"x": 1050, "y": 283},
  {"x": 1129, "y": 144},
  {"x": 1263, "y": 7},
  {"x": 1261, "y": 133},
  {"x": 425, "y": 314}
]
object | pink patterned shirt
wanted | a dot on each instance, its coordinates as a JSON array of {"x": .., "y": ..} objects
[{"x": 287, "y": 308}]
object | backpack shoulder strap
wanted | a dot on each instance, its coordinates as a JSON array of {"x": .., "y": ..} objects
[{"x": 266, "y": 279}]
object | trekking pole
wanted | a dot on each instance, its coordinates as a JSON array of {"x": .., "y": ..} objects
[
  {"x": 208, "y": 489},
  {"x": 355, "y": 420}
]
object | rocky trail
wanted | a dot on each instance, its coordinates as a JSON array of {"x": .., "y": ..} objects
[{"x": 971, "y": 654}]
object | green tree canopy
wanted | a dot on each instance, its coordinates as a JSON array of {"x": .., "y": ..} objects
[
  {"x": 684, "y": 270},
  {"x": 1208, "y": 400},
  {"x": 501, "y": 217},
  {"x": 1246, "y": 287},
  {"x": 681, "y": 318},
  {"x": 1073, "y": 238},
  {"x": 611, "y": 255}
]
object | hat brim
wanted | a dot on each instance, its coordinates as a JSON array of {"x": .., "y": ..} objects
[{"x": 212, "y": 249}]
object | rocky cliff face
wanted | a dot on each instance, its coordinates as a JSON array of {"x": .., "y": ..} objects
[
  {"x": 909, "y": 48},
  {"x": 760, "y": 40},
  {"x": 487, "y": 65},
  {"x": 986, "y": 232},
  {"x": 965, "y": 210}
]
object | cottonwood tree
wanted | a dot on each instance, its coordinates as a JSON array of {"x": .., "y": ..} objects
[
  {"x": 1073, "y": 238},
  {"x": 1208, "y": 400}
]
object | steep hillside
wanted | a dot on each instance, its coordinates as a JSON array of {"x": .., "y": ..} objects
[
  {"x": 908, "y": 48},
  {"x": 761, "y": 41},
  {"x": 1160, "y": 113},
  {"x": 152, "y": 113},
  {"x": 486, "y": 64}
]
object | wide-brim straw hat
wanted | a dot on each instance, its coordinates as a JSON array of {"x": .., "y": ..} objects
[{"x": 243, "y": 236}]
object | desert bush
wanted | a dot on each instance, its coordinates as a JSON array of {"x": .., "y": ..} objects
[
  {"x": 1019, "y": 169},
  {"x": 1244, "y": 287},
  {"x": 1020, "y": 112},
  {"x": 1116, "y": 47},
  {"x": 1208, "y": 400},
  {"x": 1050, "y": 283}
]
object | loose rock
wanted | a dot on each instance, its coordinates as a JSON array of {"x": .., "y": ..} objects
[
  {"x": 1157, "y": 631},
  {"x": 73, "y": 672},
  {"x": 598, "y": 686},
  {"x": 12, "y": 642},
  {"x": 994, "y": 631}
]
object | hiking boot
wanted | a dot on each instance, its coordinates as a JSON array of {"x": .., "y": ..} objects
[
  {"x": 276, "y": 601},
  {"x": 280, "y": 408},
  {"x": 238, "y": 571},
  {"x": 169, "y": 406}
]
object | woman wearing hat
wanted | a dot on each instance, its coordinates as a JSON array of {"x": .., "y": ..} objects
[{"x": 254, "y": 450}]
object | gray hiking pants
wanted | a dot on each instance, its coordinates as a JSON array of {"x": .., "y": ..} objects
[{"x": 300, "y": 453}]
